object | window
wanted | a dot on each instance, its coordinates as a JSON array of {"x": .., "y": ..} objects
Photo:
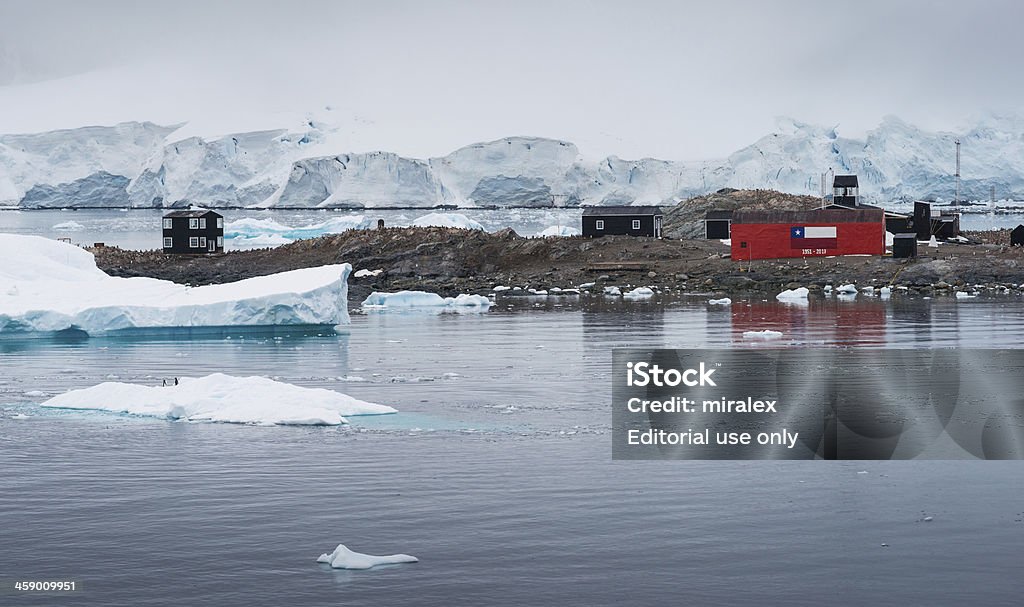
[
  {"x": 636, "y": 224},
  {"x": 168, "y": 224},
  {"x": 743, "y": 245},
  {"x": 599, "y": 224},
  {"x": 202, "y": 242},
  {"x": 220, "y": 242},
  {"x": 220, "y": 222},
  {"x": 193, "y": 224},
  {"x": 193, "y": 242},
  {"x": 168, "y": 242},
  {"x": 202, "y": 223}
]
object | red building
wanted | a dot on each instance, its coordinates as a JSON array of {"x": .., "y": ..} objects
[{"x": 820, "y": 232}]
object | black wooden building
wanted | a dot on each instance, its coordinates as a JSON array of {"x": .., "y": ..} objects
[
  {"x": 717, "y": 223},
  {"x": 1017, "y": 236},
  {"x": 631, "y": 221},
  {"x": 195, "y": 231}
]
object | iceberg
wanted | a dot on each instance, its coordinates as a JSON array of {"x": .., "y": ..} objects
[
  {"x": 559, "y": 231},
  {"x": 798, "y": 295},
  {"x": 447, "y": 220},
  {"x": 765, "y": 334},
  {"x": 720, "y": 302},
  {"x": 222, "y": 398},
  {"x": 638, "y": 294},
  {"x": 847, "y": 289},
  {"x": 34, "y": 295},
  {"x": 343, "y": 558},
  {"x": 253, "y": 232},
  {"x": 423, "y": 299},
  {"x": 68, "y": 226}
]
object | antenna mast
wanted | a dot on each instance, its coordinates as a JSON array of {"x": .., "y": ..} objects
[{"x": 957, "y": 176}]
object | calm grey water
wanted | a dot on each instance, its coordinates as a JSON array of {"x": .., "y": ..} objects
[{"x": 499, "y": 478}]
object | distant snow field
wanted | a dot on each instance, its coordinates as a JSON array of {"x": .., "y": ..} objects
[{"x": 222, "y": 398}]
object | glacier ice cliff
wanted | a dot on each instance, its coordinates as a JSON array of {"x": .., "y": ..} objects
[{"x": 140, "y": 164}]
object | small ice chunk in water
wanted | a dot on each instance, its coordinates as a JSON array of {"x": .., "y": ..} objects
[{"x": 343, "y": 558}]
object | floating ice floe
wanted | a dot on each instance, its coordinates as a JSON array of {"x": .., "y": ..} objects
[
  {"x": 253, "y": 233},
  {"x": 57, "y": 286},
  {"x": 343, "y": 558},
  {"x": 720, "y": 302},
  {"x": 559, "y": 231},
  {"x": 612, "y": 291},
  {"x": 222, "y": 398},
  {"x": 501, "y": 288},
  {"x": 639, "y": 293},
  {"x": 793, "y": 295},
  {"x": 447, "y": 220},
  {"x": 423, "y": 299},
  {"x": 965, "y": 295},
  {"x": 68, "y": 226},
  {"x": 765, "y": 334},
  {"x": 846, "y": 289}
]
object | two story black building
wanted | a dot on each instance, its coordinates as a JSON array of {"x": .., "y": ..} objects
[
  {"x": 193, "y": 232},
  {"x": 630, "y": 221}
]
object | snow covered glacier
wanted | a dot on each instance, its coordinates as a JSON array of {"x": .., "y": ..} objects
[
  {"x": 145, "y": 165},
  {"x": 56, "y": 286}
]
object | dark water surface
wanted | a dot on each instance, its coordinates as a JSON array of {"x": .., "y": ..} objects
[{"x": 498, "y": 478}]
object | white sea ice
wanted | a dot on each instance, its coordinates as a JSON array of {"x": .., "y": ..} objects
[
  {"x": 639, "y": 293},
  {"x": 720, "y": 302},
  {"x": 847, "y": 288},
  {"x": 364, "y": 272},
  {"x": 764, "y": 334},
  {"x": 343, "y": 558},
  {"x": 423, "y": 299},
  {"x": 222, "y": 398}
]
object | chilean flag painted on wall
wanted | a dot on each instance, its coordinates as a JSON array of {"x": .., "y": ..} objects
[{"x": 813, "y": 237}]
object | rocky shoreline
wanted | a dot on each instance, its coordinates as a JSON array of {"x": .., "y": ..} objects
[{"x": 450, "y": 261}]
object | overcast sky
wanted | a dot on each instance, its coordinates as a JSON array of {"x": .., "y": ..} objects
[{"x": 676, "y": 80}]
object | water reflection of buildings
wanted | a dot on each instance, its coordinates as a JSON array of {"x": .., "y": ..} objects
[{"x": 860, "y": 322}]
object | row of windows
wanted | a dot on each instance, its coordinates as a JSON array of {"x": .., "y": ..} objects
[
  {"x": 194, "y": 223},
  {"x": 197, "y": 242},
  {"x": 599, "y": 224}
]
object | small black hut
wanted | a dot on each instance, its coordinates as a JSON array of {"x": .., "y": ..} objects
[
  {"x": 1017, "y": 236},
  {"x": 717, "y": 223},
  {"x": 630, "y": 221},
  {"x": 195, "y": 231}
]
